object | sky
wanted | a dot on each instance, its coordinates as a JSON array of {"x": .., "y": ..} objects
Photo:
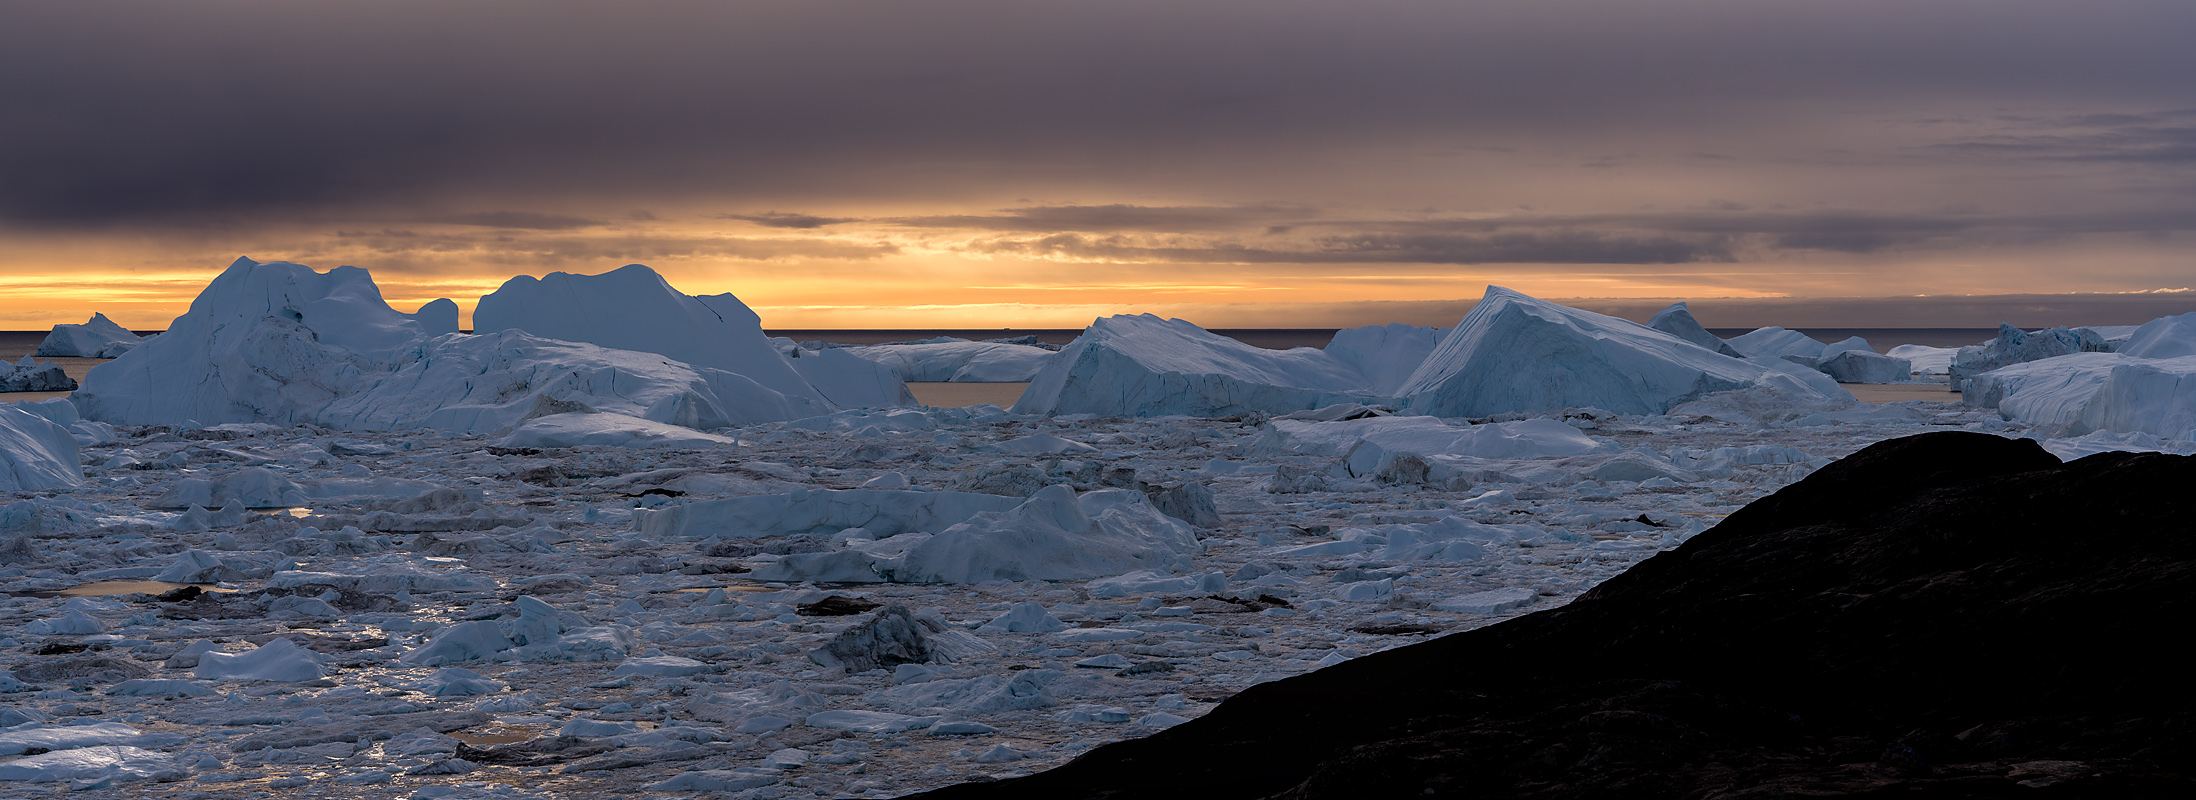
[{"x": 870, "y": 164}]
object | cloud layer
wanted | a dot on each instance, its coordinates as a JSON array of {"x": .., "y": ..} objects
[{"x": 916, "y": 153}]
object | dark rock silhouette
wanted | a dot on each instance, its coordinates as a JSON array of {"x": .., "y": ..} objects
[{"x": 1944, "y": 615}]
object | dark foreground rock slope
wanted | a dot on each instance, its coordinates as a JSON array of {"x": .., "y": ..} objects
[{"x": 1945, "y": 615}]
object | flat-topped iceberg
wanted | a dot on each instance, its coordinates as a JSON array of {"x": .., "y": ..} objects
[
  {"x": 98, "y": 338},
  {"x": 1144, "y": 366},
  {"x": 1515, "y": 353},
  {"x": 280, "y": 343},
  {"x": 2076, "y": 394},
  {"x": 957, "y": 360}
]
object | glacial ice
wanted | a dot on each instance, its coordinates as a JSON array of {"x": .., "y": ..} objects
[
  {"x": 279, "y": 343},
  {"x": 2076, "y": 394},
  {"x": 32, "y": 376},
  {"x": 1385, "y": 355},
  {"x": 35, "y": 453},
  {"x": 97, "y": 338},
  {"x": 1520, "y": 439},
  {"x": 1144, "y": 366},
  {"x": 633, "y": 308},
  {"x": 2165, "y": 337},
  {"x": 574, "y": 429},
  {"x": 1866, "y": 366},
  {"x": 2015, "y": 346},
  {"x": 1775, "y": 342},
  {"x": 1677, "y": 320},
  {"x": 958, "y": 360},
  {"x": 1515, "y": 353},
  {"x": 1923, "y": 359},
  {"x": 881, "y": 512}
]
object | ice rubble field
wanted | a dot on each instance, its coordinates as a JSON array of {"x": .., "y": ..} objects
[
  {"x": 443, "y": 588},
  {"x": 302, "y": 541}
]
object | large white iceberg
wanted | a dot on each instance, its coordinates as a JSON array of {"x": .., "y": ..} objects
[
  {"x": 35, "y": 453},
  {"x": 280, "y": 343},
  {"x": 633, "y": 308},
  {"x": 957, "y": 360},
  {"x": 2076, "y": 394},
  {"x": 98, "y": 338},
  {"x": 1518, "y": 353},
  {"x": 1144, "y": 366}
]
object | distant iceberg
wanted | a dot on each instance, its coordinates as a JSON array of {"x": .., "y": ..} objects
[
  {"x": 280, "y": 343},
  {"x": 1515, "y": 353},
  {"x": 97, "y": 338},
  {"x": 1144, "y": 366}
]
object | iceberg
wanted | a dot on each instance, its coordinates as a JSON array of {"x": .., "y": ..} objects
[
  {"x": 2076, "y": 394},
  {"x": 30, "y": 376},
  {"x": 1515, "y": 353},
  {"x": 1678, "y": 321},
  {"x": 1924, "y": 360},
  {"x": 2015, "y": 346},
  {"x": 97, "y": 338},
  {"x": 633, "y": 308},
  {"x": 1144, "y": 366},
  {"x": 1775, "y": 342},
  {"x": 280, "y": 343},
  {"x": 36, "y": 453},
  {"x": 2165, "y": 337},
  {"x": 956, "y": 360},
  {"x": 1053, "y": 536},
  {"x": 1865, "y": 366},
  {"x": 1385, "y": 354}
]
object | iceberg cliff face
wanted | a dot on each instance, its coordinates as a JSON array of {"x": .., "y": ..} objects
[
  {"x": 1144, "y": 366},
  {"x": 280, "y": 343},
  {"x": 1518, "y": 353}
]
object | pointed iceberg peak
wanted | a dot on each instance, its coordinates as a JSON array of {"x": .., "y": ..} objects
[{"x": 1678, "y": 321}]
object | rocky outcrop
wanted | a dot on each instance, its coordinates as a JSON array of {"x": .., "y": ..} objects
[{"x": 1944, "y": 615}]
